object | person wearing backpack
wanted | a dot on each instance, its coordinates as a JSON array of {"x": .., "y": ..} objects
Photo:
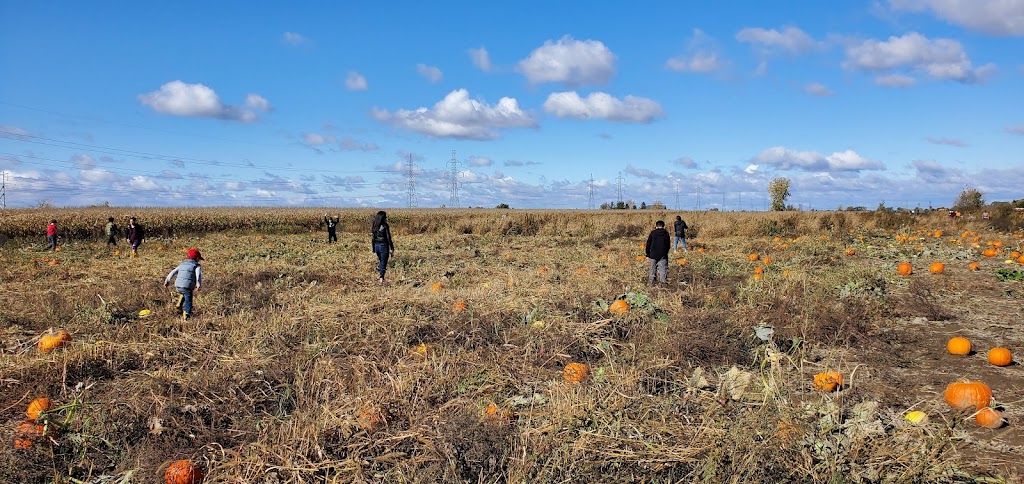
[
  {"x": 381, "y": 242},
  {"x": 188, "y": 278},
  {"x": 112, "y": 231},
  {"x": 680, "y": 229},
  {"x": 134, "y": 234}
]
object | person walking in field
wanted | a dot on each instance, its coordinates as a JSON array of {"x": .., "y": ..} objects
[
  {"x": 657, "y": 247},
  {"x": 51, "y": 235},
  {"x": 332, "y": 228},
  {"x": 680, "y": 229},
  {"x": 188, "y": 278},
  {"x": 382, "y": 244},
  {"x": 112, "y": 231},
  {"x": 134, "y": 234}
]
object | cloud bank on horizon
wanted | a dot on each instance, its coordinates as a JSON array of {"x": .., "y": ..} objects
[{"x": 906, "y": 103}]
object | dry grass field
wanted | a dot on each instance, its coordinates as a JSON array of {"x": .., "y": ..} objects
[{"x": 298, "y": 367}]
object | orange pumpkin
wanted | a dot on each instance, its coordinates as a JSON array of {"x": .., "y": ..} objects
[
  {"x": 53, "y": 262},
  {"x": 990, "y": 252},
  {"x": 1020, "y": 260},
  {"x": 1014, "y": 254},
  {"x": 183, "y": 472},
  {"x": 619, "y": 307},
  {"x": 753, "y": 257},
  {"x": 370, "y": 419},
  {"x": 989, "y": 418},
  {"x": 828, "y": 381},
  {"x": 37, "y": 407},
  {"x": 936, "y": 268},
  {"x": 757, "y": 276},
  {"x": 964, "y": 395},
  {"x": 974, "y": 266},
  {"x": 53, "y": 340},
  {"x": 437, "y": 286},
  {"x": 850, "y": 251},
  {"x": 459, "y": 306},
  {"x": 905, "y": 269},
  {"x": 758, "y": 270},
  {"x": 681, "y": 262},
  {"x": 1000, "y": 356},
  {"x": 958, "y": 345},
  {"x": 117, "y": 252},
  {"x": 496, "y": 414},
  {"x": 576, "y": 372}
]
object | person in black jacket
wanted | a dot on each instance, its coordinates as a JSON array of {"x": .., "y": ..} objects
[
  {"x": 382, "y": 244},
  {"x": 134, "y": 234},
  {"x": 680, "y": 227},
  {"x": 332, "y": 228},
  {"x": 658, "y": 245}
]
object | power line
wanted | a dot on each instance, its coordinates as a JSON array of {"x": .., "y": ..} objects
[
  {"x": 412, "y": 184},
  {"x": 453, "y": 186},
  {"x": 590, "y": 204}
]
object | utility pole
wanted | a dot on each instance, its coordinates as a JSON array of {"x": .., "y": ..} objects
[
  {"x": 618, "y": 190},
  {"x": 590, "y": 204},
  {"x": 453, "y": 166},
  {"x": 697, "y": 192},
  {"x": 3, "y": 191},
  {"x": 412, "y": 185},
  {"x": 678, "y": 206}
]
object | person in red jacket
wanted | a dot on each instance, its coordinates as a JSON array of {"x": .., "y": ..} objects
[{"x": 51, "y": 235}]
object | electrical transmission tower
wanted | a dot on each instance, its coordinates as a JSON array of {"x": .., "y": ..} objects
[
  {"x": 678, "y": 207},
  {"x": 618, "y": 189},
  {"x": 590, "y": 204},
  {"x": 3, "y": 191},
  {"x": 453, "y": 186},
  {"x": 412, "y": 184}
]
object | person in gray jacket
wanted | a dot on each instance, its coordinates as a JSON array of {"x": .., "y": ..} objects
[{"x": 189, "y": 279}]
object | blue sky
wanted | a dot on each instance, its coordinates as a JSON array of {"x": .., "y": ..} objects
[{"x": 904, "y": 102}]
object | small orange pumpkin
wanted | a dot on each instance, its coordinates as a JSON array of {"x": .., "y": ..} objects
[
  {"x": 1020, "y": 260},
  {"x": 1000, "y": 356},
  {"x": 53, "y": 262},
  {"x": 964, "y": 395},
  {"x": 766, "y": 260},
  {"x": 37, "y": 407},
  {"x": 117, "y": 252},
  {"x": 958, "y": 345},
  {"x": 52, "y": 340},
  {"x": 370, "y": 419},
  {"x": 757, "y": 276},
  {"x": 905, "y": 269},
  {"x": 183, "y": 472},
  {"x": 496, "y": 414},
  {"x": 989, "y": 418},
  {"x": 576, "y": 372},
  {"x": 758, "y": 270},
  {"x": 936, "y": 268},
  {"x": 619, "y": 307},
  {"x": 850, "y": 251},
  {"x": 436, "y": 287},
  {"x": 681, "y": 262},
  {"x": 974, "y": 266},
  {"x": 542, "y": 270},
  {"x": 828, "y": 381},
  {"x": 990, "y": 252},
  {"x": 459, "y": 306},
  {"x": 753, "y": 257},
  {"x": 1014, "y": 254}
]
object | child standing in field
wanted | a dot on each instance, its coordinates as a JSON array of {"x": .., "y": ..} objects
[
  {"x": 112, "y": 231},
  {"x": 51, "y": 235},
  {"x": 680, "y": 229},
  {"x": 332, "y": 228},
  {"x": 134, "y": 234},
  {"x": 382, "y": 244},
  {"x": 189, "y": 279},
  {"x": 658, "y": 244}
]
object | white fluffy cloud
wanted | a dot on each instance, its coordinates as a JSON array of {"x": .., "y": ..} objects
[
  {"x": 355, "y": 81},
  {"x": 479, "y": 161},
  {"x": 293, "y": 38},
  {"x": 783, "y": 158},
  {"x": 572, "y": 62},
  {"x": 701, "y": 56},
  {"x": 481, "y": 59},
  {"x": 946, "y": 141},
  {"x": 458, "y": 116},
  {"x": 938, "y": 58},
  {"x": 430, "y": 73},
  {"x": 599, "y": 105},
  {"x": 816, "y": 89},
  {"x": 895, "y": 80},
  {"x": 178, "y": 98},
  {"x": 790, "y": 40},
  {"x": 642, "y": 172},
  {"x": 997, "y": 17}
]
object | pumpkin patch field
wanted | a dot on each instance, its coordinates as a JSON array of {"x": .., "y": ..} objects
[{"x": 513, "y": 346}]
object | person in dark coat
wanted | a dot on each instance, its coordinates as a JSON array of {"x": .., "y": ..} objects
[
  {"x": 332, "y": 228},
  {"x": 134, "y": 234},
  {"x": 657, "y": 247},
  {"x": 381, "y": 241},
  {"x": 680, "y": 229}
]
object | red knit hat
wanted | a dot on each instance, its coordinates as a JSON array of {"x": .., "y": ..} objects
[{"x": 194, "y": 254}]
